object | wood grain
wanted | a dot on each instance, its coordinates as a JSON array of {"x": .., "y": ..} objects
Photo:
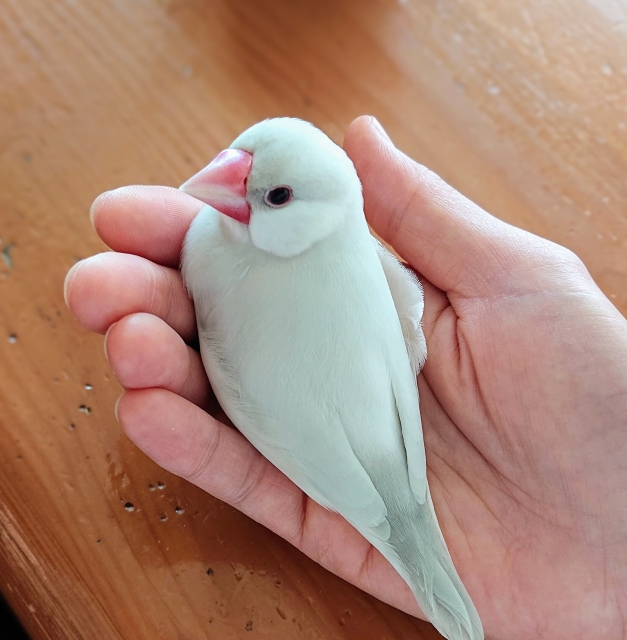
[{"x": 522, "y": 106}]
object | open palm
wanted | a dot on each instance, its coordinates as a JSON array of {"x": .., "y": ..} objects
[{"x": 523, "y": 397}]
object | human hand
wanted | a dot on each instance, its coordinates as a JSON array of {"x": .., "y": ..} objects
[{"x": 523, "y": 398}]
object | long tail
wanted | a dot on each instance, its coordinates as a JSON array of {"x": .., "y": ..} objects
[{"x": 419, "y": 554}]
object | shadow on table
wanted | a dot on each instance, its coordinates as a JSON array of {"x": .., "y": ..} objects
[{"x": 10, "y": 627}]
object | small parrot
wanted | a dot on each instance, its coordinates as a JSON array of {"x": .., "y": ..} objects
[{"x": 310, "y": 333}]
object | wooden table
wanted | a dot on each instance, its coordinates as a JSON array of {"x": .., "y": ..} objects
[{"x": 522, "y": 106}]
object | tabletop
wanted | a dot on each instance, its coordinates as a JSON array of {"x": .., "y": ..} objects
[{"x": 521, "y": 106}]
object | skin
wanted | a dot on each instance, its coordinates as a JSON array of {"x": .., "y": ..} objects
[{"x": 523, "y": 398}]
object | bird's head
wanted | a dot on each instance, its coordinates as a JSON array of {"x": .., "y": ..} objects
[{"x": 283, "y": 185}]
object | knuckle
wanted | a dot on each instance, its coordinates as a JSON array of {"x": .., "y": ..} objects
[
  {"x": 250, "y": 480},
  {"x": 203, "y": 457}
]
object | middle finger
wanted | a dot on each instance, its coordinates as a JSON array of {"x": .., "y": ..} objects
[{"x": 144, "y": 352}]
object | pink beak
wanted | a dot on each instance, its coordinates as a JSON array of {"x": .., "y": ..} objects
[{"x": 222, "y": 184}]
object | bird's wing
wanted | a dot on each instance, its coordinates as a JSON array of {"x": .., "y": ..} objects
[
  {"x": 405, "y": 392},
  {"x": 311, "y": 447},
  {"x": 408, "y": 298}
]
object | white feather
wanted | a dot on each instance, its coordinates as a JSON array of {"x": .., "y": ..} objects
[
  {"x": 305, "y": 336},
  {"x": 408, "y": 299}
]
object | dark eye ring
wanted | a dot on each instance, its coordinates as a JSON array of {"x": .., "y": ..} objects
[{"x": 278, "y": 196}]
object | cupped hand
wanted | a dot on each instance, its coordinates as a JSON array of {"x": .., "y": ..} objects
[{"x": 523, "y": 398}]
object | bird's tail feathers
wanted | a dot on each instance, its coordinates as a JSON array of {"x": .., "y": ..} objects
[{"x": 433, "y": 579}]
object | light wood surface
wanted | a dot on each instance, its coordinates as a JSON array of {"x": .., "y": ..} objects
[{"x": 520, "y": 105}]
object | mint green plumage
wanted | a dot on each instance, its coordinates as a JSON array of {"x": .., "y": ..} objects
[{"x": 310, "y": 334}]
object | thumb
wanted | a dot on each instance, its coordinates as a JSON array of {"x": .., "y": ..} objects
[{"x": 450, "y": 240}]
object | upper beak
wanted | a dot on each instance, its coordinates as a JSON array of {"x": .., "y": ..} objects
[{"x": 222, "y": 184}]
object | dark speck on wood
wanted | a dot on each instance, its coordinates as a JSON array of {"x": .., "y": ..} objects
[{"x": 6, "y": 255}]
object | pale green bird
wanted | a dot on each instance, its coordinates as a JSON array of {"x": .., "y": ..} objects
[{"x": 310, "y": 332}]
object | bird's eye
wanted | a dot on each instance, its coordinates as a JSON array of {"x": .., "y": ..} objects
[{"x": 277, "y": 196}]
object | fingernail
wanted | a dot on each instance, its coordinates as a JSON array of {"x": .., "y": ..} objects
[
  {"x": 65, "y": 286},
  {"x": 379, "y": 129},
  {"x": 92, "y": 209},
  {"x": 115, "y": 408},
  {"x": 68, "y": 280},
  {"x": 106, "y": 339}
]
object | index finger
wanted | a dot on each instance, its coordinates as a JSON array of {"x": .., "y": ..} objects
[{"x": 148, "y": 221}]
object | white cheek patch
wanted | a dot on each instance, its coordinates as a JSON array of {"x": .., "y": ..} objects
[
  {"x": 234, "y": 231},
  {"x": 283, "y": 232}
]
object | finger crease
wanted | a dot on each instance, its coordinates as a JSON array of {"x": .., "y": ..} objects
[
  {"x": 252, "y": 479},
  {"x": 206, "y": 459}
]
